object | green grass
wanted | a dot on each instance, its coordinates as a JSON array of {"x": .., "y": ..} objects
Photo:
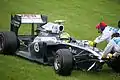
[
  {"x": 15, "y": 68},
  {"x": 81, "y": 17}
]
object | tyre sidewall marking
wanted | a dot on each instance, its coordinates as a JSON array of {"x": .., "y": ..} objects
[{"x": 36, "y": 47}]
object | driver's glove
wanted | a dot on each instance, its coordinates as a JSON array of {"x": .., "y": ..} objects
[
  {"x": 92, "y": 43},
  {"x": 108, "y": 56}
]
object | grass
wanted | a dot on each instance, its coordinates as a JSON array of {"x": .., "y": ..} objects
[
  {"x": 81, "y": 17},
  {"x": 15, "y": 68}
]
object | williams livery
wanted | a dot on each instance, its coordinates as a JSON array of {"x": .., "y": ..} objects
[{"x": 49, "y": 44}]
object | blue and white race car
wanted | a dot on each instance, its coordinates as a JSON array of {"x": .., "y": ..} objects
[{"x": 50, "y": 44}]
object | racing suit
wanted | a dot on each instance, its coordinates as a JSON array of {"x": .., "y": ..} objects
[
  {"x": 106, "y": 34},
  {"x": 114, "y": 44}
]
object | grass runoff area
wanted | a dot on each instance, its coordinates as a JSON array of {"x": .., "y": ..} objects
[{"x": 81, "y": 18}]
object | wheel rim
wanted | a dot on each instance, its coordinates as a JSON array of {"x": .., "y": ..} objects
[
  {"x": 1, "y": 43},
  {"x": 57, "y": 63}
]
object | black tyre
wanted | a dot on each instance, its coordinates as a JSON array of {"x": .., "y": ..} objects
[
  {"x": 8, "y": 42},
  {"x": 63, "y": 62},
  {"x": 115, "y": 64}
]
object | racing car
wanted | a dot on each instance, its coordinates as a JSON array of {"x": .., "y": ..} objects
[{"x": 46, "y": 45}]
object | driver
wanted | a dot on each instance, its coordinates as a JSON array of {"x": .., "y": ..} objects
[
  {"x": 113, "y": 45},
  {"x": 106, "y": 32},
  {"x": 65, "y": 37}
]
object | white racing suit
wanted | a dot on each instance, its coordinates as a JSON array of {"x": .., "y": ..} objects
[
  {"x": 113, "y": 45},
  {"x": 106, "y": 34}
]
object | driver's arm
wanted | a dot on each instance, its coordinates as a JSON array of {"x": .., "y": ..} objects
[{"x": 102, "y": 37}]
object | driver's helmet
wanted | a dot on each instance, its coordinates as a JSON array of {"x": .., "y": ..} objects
[{"x": 65, "y": 37}]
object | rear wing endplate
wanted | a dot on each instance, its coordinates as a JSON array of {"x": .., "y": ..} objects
[{"x": 18, "y": 19}]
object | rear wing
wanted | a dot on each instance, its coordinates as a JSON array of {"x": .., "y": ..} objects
[
  {"x": 31, "y": 18},
  {"x": 18, "y": 19}
]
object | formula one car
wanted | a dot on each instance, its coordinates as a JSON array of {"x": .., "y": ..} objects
[{"x": 51, "y": 45}]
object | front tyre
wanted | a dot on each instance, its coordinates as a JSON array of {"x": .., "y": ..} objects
[{"x": 63, "y": 62}]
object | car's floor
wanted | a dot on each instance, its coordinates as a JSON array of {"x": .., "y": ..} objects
[{"x": 27, "y": 55}]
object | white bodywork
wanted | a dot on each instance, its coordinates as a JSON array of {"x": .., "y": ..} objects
[
  {"x": 82, "y": 44},
  {"x": 52, "y": 27},
  {"x": 31, "y": 18},
  {"x": 45, "y": 39}
]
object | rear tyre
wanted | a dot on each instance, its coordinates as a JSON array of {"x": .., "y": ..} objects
[
  {"x": 115, "y": 64},
  {"x": 63, "y": 62},
  {"x": 8, "y": 42}
]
